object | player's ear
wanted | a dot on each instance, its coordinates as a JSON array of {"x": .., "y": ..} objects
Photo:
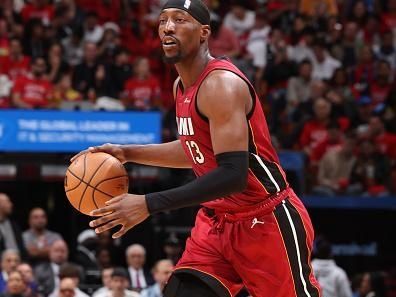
[{"x": 205, "y": 33}]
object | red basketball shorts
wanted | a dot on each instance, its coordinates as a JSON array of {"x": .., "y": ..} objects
[{"x": 267, "y": 249}]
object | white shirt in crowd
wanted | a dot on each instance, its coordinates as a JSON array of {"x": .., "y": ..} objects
[
  {"x": 324, "y": 70},
  {"x": 257, "y": 46},
  {"x": 142, "y": 279},
  {"x": 332, "y": 278},
  {"x": 240, "y": 26}
]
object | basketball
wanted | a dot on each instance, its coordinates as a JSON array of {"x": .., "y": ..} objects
[{"x": 94, "y": 178}]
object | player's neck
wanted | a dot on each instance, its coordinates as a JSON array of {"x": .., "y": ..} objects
[{"x": 190, "y": 69}]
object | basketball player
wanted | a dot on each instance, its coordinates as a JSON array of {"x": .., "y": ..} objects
[{"x": 252, "y": 230}]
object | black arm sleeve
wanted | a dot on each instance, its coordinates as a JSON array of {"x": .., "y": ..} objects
[{"x": 229, "y": 177}]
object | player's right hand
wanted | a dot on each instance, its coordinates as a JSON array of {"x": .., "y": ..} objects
[{"x": 113, "y": 149}]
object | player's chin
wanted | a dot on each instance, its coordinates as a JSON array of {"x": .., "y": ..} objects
[{"x": 171, "y": 58}]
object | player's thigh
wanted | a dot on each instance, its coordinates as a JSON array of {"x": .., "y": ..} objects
[
  {"x": 204, "y": 258},
  {"x": 275, "y": 258},
  {"x": 187, "y": 285}
]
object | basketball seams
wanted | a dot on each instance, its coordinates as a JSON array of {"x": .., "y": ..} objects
[
  {"x": 95, "y": 188},
  {"x": 92, "y": 176},
  {"x": 80, "y": 179}
]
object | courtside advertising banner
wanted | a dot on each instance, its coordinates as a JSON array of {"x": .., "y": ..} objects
[{"x": 73, "y": 131}]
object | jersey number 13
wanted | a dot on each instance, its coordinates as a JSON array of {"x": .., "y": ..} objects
[{"x": 196, "y": 154}]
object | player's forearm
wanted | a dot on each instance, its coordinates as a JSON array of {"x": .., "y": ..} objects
[
  {"x": 229, "y": 177},
  {"x": 170, "y": 154}
]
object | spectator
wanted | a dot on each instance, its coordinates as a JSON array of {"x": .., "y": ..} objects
[
  {"x": 28, "y": 277},
  {"x": 381, "y": 87},
  {"x": 386, "y": 50},
  {"x": 103, "y": 258},
  {"x": 324, "y": 65},
  {"x": 118, "y": 72},
  {"x": 257, "y": 42},
  {"x": 173, "y": 248},
  {"x": 10, "y": 233},
  {"x": 16, "y": 64},
  {"x": 93, "y": 32},
  {"x": 119, "y": 283},
  {"x": 109, "y": 43},
  {"x": 363, "y": 74},
  {"x": 47, "y": 273},
  {"x": 222, "y": 40},
  {"x": 314, "y": 130},
  {"x": 385, "y": 141},
  {"x": 359, "y": 13},
  {"x": 339, "y": 84},
  {"x": 372, "y": 285},
  {"x": 142, "y": 91},
  {"x": 89, "y": 75},
  {"x": 350, "y": 45},
  {"x": 64, "y": 92},
  {"x": 161, "y": 273},
  {"x": 335, "y": 169},
  {"x": 15, "y": 285},
  {"x": 371, "y": 172},
  {"x": 73, "y": 47},
  {"x": 10, "y": 260},
  {"x": 106, "y": 280},
  {"x": 35, "y": 42},
  {"x": 332, "y": 278},
  {"x": 38, "y": 239},
  {"x": 334, "y": 139},
  {"x": 67, "y": 288},
  {"x": 87, "y": 242},
  {"x": 34, "y": 90},
  {"x": 239, "y": 19},
  {"x": 38, "y": 9},
  {"x": 56, "y": 65},
  {"x": 74, "y": 272},
  {"x": 105, "y": 242},
  {"x": 138, "y": 276},
  {"x": 299, "y": 87}
]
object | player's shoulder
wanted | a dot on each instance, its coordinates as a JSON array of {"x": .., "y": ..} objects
[
  {"x": 223, "y": 81},
  {"x": 222, "y": 78}
]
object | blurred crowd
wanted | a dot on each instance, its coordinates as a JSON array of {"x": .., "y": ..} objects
[
  {"x": 324, "y": 71},
  {"x": 38, "y": 262}
]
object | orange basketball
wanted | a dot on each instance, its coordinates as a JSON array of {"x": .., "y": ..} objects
[{"x": 94, "y": 178}]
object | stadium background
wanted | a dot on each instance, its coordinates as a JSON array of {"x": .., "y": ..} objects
[{"x": 324, "y": 71}]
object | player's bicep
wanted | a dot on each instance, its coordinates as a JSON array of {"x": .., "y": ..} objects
[{"x": 224, "y": 102}]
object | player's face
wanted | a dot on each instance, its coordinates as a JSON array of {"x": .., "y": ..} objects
[{"x": 180, "y": 34}]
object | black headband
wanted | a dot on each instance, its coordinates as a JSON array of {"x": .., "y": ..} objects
[{"x": 196, "y": 8}]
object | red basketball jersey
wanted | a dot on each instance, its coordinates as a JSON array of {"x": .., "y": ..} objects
[{"x": 265, "y": 177}]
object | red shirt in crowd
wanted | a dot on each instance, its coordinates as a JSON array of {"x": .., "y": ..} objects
[
  {"x": 314, "y": 133},
  {"x": 15, "y": 68},
  {"x": 224, "y": 42},
  {"x": 386, "y": 143},
  {"x": 33, "y": 91},
  {"x": 379, "y": 93},
  {"x": 141, "y": 94},
  {"x": 30, "y": 11}
]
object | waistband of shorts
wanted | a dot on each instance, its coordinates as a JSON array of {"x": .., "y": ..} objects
[{"x": 252, "y": 211}]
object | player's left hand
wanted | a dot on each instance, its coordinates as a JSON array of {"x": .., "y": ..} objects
[{"x": 126, "y": 210}]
